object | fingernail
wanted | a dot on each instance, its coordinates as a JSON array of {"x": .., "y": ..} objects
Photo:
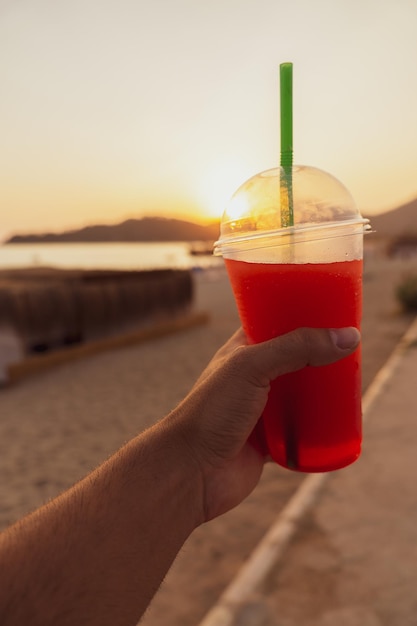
[{"x": 345, "y": 338}]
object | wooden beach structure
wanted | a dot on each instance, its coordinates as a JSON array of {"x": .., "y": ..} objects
[{"x": 49, "y": 315}]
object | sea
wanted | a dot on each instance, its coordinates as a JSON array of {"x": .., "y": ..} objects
[{"x": 106, "y": 256}]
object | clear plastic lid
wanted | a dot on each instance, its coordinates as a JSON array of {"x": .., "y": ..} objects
[{"x": 259, "y": 208}]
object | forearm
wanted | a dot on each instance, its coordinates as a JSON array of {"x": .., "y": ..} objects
[{"x": 97, "y": 554}]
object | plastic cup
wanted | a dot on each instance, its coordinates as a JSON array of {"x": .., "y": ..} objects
[{"x": 305, "y": 275}]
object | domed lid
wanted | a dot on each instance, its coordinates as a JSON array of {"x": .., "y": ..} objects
[{"x": 284, "y": 200}]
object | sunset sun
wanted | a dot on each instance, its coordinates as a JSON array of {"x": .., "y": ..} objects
[{"x": 217, "y": 187}]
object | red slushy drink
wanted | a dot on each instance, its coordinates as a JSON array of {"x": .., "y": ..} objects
[
  {"x": 302, "y": 272},
  {"x": 312, "y": 421}
]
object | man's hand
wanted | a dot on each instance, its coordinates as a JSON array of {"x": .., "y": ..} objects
[{"x": 218, "y": 416}]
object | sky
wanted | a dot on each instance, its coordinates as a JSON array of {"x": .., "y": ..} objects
[{"x": 112, "y": 109}]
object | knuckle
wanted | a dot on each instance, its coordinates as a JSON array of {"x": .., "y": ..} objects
[
  {"x": 302, "y": 346},
  {"x": 304, "y": 337},
  {"x": 297, "y": 341},
  {"x": 244, "y": 367},
  {"x": 237, "y": 358}
]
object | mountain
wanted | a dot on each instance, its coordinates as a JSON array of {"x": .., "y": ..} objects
[
  {"x": 399, "y": 221},
  {"x": 144, "y": 229},
  {"x": 396, "y": 222}
]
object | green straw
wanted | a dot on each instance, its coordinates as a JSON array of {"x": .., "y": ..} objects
[
  {"x": 287, "y": 219},
  {"x": 287, "y": 210}
]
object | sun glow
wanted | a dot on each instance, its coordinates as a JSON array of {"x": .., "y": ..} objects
[{"x": 218, "y": 186}]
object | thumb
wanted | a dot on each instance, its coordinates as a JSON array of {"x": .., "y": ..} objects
[{"x": 295, "y": 350}]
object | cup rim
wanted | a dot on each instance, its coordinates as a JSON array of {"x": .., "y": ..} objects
[{"x": 223, "y": 243}]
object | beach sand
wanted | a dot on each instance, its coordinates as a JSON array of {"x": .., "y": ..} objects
[{"x": 59, "y": 424}]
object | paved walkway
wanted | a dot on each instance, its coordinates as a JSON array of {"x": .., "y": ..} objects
[{"x": 352, "y": 560}]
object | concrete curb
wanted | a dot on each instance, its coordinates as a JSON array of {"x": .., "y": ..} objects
[{"x": 244, "y": 589}]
